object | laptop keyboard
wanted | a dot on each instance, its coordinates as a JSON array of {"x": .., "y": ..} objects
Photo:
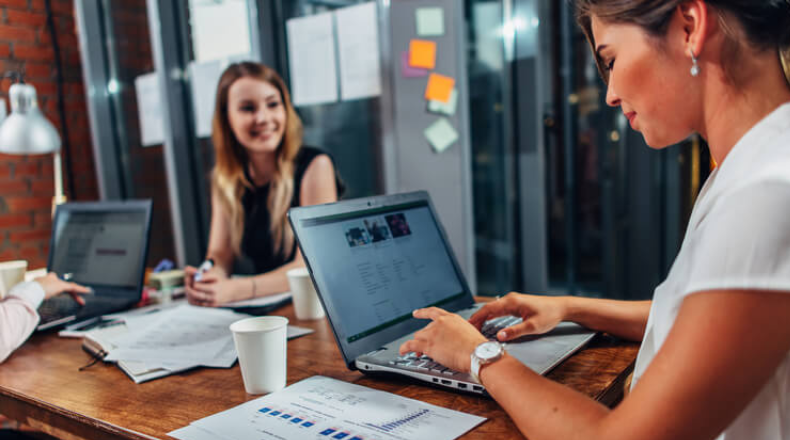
[
  {"x": 58, "y": 307},
  {"x": 64, "y": 305},
  {"x": 425, "y": 363}
]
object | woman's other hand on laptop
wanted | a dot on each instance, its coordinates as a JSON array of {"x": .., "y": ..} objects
[
  {"x": 54, "y": 286},
  {"x": 539, "y": 314},
  {"x": 448, "y": 340}
]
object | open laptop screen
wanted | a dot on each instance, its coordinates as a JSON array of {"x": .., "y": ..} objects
[
  {"x": 99, "y": 248},
  {"x": 373, "y": 267}
]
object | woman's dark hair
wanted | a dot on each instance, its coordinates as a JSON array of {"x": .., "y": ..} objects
[{"x": 766, "y": 23}]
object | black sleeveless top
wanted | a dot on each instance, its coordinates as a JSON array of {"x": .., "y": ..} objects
[{"x": 257, "y": 243}]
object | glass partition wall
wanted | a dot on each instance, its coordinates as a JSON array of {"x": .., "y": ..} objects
[
  {"x": 136, "y": 170},
  {"x": 348, "y": 129},
  {"x": 567, "y": 199}
]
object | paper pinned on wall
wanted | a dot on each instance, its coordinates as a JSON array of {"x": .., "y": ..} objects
[
  {"x": 212, "y": 37},
  {"x": 441, "y": 135},
  {"x": 358, "y": 47},
  {"x": 312, "y": 60},
  {"x": 447, "y": 108},
  {"x": 149, "y": 110},
  {"x": 422, "y": 54},
  {"x": 430, "y": 22},
  {"x": 204, "y": 79},
  {"x": 439, "y": 88}
]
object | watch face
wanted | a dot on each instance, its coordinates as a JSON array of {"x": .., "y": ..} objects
[{"x": 488, "y": 350}]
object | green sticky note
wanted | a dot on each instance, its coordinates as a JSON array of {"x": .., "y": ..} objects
[
  {"x": 445, "y": 109},
  {"x": 430, "y": 22},
  {"x": 441, "y": 135}
]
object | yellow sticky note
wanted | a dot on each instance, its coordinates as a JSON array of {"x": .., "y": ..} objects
[
  {"x": 440, "y": 88},
  {"x": 422, "y": 54}
]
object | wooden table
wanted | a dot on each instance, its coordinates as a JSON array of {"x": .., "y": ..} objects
[{"x": 40, "y": 385}]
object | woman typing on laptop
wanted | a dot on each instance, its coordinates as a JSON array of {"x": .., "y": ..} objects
[
  {"x": 18, "y": 316},
  {"x": 715, "y": 355},
  {"x": 262, "y": 169}
]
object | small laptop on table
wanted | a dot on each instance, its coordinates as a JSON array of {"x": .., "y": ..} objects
[
  {"x": 100, "y": 245},
  {"x": 375, "y": 260}
]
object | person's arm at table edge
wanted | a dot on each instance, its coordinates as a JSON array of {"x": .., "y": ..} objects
[
  {"x": 624, "y": 319},
  {"x": 689, "y": 390},
  {"x": 18, "y": 316}
]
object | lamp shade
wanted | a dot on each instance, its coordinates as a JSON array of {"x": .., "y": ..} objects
[{"x": 26, "y": 130}]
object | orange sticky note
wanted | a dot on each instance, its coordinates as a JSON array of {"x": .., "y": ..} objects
[
  {"x": 440, "y": 88},
  {"x": 422, "y": 54}
]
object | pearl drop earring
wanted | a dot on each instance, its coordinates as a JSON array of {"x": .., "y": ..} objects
[{"x": 695, "y": 69}]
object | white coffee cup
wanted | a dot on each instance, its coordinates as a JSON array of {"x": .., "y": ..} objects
[
  {"x": 11, "y": 274},
  {"x": 306, "y": 302},
  {"x": 261, "y": 344}
]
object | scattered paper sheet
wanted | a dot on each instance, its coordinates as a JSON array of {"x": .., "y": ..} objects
[
  {"x": 138, "y": 321},
  {"x": 321, "y": 407},
  {"x": 410, "y": 72},
  {"x": 439, "y": 88},
  {"x": 312, "y": 61},
  {"x": 358, "y": 47},
  {"x": 430, "y": 22},
  {"x": 448, "y": 108},
  {"x": 204, "y": 78},
  {"x": 184, "y": 335},
  {"x": 422, "y": 54},
  {"x": 149, "y": 110},
  {"x": 441, "y": 135}
]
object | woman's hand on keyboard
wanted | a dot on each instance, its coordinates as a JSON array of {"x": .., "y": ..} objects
[
  {"x": 540, "y": 314},
  {"x": 54, "y": 286},
  {"x": 448, "y": 340}
]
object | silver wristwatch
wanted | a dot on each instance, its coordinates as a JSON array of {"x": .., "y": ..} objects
[{"x": 485, "y": 353}]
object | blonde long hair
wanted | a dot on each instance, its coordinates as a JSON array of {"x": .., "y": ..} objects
[{"x": 228, "y": 179}]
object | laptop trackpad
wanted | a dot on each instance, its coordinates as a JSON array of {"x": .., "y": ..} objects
[{"x": 541, "y": 353}]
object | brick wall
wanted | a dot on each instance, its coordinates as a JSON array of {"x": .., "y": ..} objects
[{"x": 26, "y": 182}]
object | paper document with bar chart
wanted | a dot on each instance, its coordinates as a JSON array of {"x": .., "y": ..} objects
[{"x": 327, "y": 409}]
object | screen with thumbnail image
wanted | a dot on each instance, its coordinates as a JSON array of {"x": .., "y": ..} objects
[
  {"x": 386, "y": 264},
  {"x": 100, "y": 248}
]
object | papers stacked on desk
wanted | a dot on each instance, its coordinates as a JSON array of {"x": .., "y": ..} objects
[
  {"x": 160, "y": 342},
  {"x": 321, "y": 407}
]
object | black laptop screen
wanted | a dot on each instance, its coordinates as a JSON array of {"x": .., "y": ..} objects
[
  {"x": 99, "y": 248},
  {"x": 379, "y": 265}
]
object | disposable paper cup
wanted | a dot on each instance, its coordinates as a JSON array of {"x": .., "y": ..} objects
[
  {"x": 261, "y": 346},
  {"x": 306, "y": 302},
  {"x": 11, "y": 274}
]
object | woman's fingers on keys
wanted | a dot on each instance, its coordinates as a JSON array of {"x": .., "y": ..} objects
[{"x": 491, "y": 310}]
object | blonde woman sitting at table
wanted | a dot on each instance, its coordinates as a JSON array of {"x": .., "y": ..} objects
[{"x": 262, "y": 169}]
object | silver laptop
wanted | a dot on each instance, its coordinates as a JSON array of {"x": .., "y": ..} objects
[
  {"x": 375, "y": 260},
  {"x": 101, "y": 245}
]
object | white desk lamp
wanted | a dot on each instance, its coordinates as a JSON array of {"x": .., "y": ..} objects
[{"x": 27, "y": 131}]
